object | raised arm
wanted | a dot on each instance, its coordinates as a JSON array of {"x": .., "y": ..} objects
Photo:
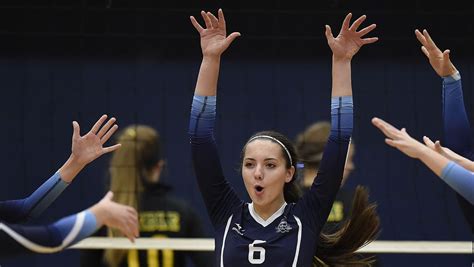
[
  {"x": 217, "y": 193},
  {"x": 318, "y": 201},
  {"x": 344, "y": 47},
  {"x": 214, "y": 41},
  {"x": 16, "y": 239},
  {"x": 458, "y": 178},
  {"x": 455, "y": 121},
  {"x": 84, "y": 150}
]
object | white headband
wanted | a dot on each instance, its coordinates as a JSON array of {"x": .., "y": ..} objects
[{"x": 277, "y": 141}]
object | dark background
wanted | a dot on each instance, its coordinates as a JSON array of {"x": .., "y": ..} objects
[{"x": 67, "y": 60}]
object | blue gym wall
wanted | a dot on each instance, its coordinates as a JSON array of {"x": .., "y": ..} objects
[{"x": 145, "y": 73}]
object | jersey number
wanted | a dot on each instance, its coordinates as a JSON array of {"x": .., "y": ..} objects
[
  {"x": 152, "y": 257},
  {"x": 256, "y": 254}
]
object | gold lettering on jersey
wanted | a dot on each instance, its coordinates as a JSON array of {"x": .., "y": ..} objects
[
  {"x": 163, "y": 221},
  {"x": 337, "y": 212}
]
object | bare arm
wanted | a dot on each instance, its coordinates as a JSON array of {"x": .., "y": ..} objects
[{"x": 214, "y": 41}]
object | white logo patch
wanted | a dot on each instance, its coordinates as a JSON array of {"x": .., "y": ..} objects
[
  {"x": 283, "y": 227},
  {"x": 238, "y": 229}
]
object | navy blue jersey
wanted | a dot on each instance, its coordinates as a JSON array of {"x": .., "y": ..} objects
[
  {"x": 289, "y": 237},
  {"x": 457, "y": 130},
  {"x": 18, "y": 239}
]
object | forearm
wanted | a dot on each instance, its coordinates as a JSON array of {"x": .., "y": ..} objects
[
  {"x": 341, "y": 77},
  {"x": 433, "y": 160},
  {"x": 14, "y": 211},
  {"x": 46, "y": 239},
  {"x": 465, "y": 163},
  {"x": 206, "y": 84},
  {"x": 460, "y": 179},
  {"x": 70, "y": 169}
]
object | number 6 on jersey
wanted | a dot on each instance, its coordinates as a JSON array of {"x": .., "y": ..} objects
[{"x": 256, "y": 254}]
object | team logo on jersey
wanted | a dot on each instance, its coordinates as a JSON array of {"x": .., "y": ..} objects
[
  {"x": 283, "y": 227},
  {"x": 238, "y": 229}
]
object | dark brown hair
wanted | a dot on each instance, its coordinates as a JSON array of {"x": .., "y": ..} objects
[{"x": 361, "y": 228}]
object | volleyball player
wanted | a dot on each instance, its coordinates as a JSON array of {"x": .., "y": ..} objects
[{"x": 276, "y": 228}]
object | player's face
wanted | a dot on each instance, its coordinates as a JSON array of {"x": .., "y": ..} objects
[{"x": 265, "y": 173}]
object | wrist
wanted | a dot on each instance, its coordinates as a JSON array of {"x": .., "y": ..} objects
[
  {"x": 100, "y": 214},
  {"x": 423, "y": 152},
  {"x": 70, "y": 169},
  {"x": 211, "y": 58},
  {"x": 341, "y": 59}
]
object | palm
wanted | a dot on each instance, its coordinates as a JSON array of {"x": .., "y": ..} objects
[
  {"x": 439, "y": 64},
  {"x": 345, "y": 45},
  {"x": 90, "y": 146},
  {"x": 214, "y": 39},
  {"x": 349, "y": 40},
  {"x": 440, "y": 61},
  {"x": 87, "y": 147}
]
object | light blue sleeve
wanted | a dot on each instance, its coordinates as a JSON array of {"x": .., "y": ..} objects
[
  {"x": 459, "y": 179},
  {"x": 14, "y": 211}
]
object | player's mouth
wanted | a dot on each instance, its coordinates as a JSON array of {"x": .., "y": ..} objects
[{"x": 259, "y": 190}]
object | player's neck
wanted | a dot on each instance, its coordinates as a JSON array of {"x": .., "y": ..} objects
[{"x": 266, "y": 211}]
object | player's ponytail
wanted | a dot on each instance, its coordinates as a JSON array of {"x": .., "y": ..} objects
[{"x": 363, "y": 226}]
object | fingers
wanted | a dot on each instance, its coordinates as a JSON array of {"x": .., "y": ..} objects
[
  {"x": 391, "y": 142},
  {"x": 111, "y": 148},
  {"x": 425, "y": 51},
  {"x": 214, "y": 20},
  {"x": 430, "y": 44},
  {"x": 97, "y": 125},
  {"x": 131, "y": 224},
  {"x": 345, "y": 23},
  {"x": 207, "y": 20},
  {"x": 128, "y": 232},
  {"x": 428, "y": 142},
  {"x": 366, "y": 30},
  {"x": 438, "y": 147},
  {"x": 370, "y": 40},
  {"x": 196, "y": 24},
  {"x": 220, "y": 15},
  {"x": 357, "y": 23},
  {"x": 328, "y": 33},
  {"x": 76, "y": 130},
  {"x": 134, "y": 221},
  {"x": 106, "y": 127},
  {"x": 107, "y": 136},
  {"x": 420, "y": 37},
  {"x": 385, "y": 127}
]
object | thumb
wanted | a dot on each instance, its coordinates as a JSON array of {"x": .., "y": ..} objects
[
  {"x": 109, "y": 195},
  {"x": 231, "y": 38},
  {"x": 446, "y": 54},
  {"x": 76, "y": 130},
  {"x": 438, "y": 146},
  {"x": 328, "y": 33}
]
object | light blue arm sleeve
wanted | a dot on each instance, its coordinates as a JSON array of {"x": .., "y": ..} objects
[
  {"x": 460, "y": 179},
  {"x": 19, "y": 210}
]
